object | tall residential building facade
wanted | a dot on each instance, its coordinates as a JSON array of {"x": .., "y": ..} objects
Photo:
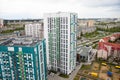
[
  {"x": 23, "y": 59},
  {"x": 60, "y": 35},
  {"x": 34, "y": 30}
]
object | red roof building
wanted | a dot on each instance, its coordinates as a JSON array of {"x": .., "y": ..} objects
[{"x": 108, "y": 46}]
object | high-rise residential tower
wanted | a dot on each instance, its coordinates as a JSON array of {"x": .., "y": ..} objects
[
  {"x": 60, "y": 35},
  {"x": 23, "y": 59}
]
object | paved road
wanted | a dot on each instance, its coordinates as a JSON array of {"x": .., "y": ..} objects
[
  {"x": 71, "y": 77},
  {"x": 92, "y": 40}
]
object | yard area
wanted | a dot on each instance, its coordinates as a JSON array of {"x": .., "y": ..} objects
[{"x": 100, "y": 70}]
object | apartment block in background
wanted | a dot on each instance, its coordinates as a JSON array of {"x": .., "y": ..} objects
[
  {"x": 1, "y": 23},
  {"x": 34, "y": 30}
]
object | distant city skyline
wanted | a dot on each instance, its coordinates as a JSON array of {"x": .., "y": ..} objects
[{"x": 34, "y": 9}]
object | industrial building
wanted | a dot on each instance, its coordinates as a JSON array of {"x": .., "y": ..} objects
[
  {"x": 60, "y": 35},
  {"x": 23, "y": 58}
]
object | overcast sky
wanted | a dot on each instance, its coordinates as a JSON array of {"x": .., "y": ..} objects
[{"x": 23, "y": 9}]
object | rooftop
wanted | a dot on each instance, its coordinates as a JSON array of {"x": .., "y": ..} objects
[
  {"x": 84, "y": 50},
  {"x": 6, "y": 36},
  {"x": 20, "y": 41}
]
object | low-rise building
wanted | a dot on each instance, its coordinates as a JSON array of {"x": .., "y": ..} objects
[
  {"x": 85, "y": 54},
  {"x": 109, "y": 47}
]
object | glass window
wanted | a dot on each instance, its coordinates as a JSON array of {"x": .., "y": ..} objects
[
  {"x": 66, "y": 20},
  {"x": 40, "y": 47},
  {"x": 41, "y": 56}
]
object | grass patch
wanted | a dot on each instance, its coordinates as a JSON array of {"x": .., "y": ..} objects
[
  {"x": 100, "y": 66},
  {"x": 77, "y": 77},
  {"x": 110, "y": 68},
  {"x": 86, "y": 72},
  {"x": 10, "y": 31},
  {"x": 64, "y": 75},
  {"x": 114, "y": 29},
  {"x": 53, "y": 71},
  {"x": 83, "y": 78},
  {"x": 118, "y": 71},
  {"x": 95, "y": 46},
  {"x": 91, "y": 35},
  {"x": 85, "y": 67}
]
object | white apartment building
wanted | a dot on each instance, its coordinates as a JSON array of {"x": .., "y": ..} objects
[
  {"x": 1, "y": 23},
  {"x": 34, "y": 30},
  {"x": 60, "y": 35}
]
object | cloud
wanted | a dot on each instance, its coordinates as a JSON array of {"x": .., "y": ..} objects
[
  {"x": 36, "y": 8},
  {"x": 114, "y": 9},
  {"x": 99, "y": 3}
]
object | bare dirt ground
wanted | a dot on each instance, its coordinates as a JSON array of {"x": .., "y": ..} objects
[
  {"x": 95, "y": 66},
  {"x": 103, "y": 76},
  {"x": 102, "y": 72},
  {"x": 116, "y": 76},
  {"x": 104, "y": 69},
  {"x": 114, "y": 70}
]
